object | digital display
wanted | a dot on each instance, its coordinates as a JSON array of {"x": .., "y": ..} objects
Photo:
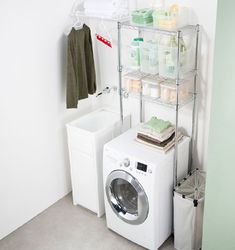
[{"x": 142, "y": 167}]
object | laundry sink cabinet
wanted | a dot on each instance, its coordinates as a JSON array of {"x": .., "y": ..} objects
[{"x": 86, "y": 138}]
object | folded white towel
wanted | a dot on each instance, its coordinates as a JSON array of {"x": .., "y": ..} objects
[
  {"x": 160, "y": 137},
  {"x": 98, "y": 5},
  {"x": 113, "y": 14},
  {"x": 99, "y": 14},
  {"x": 98, "y": 10},
  {"x": 92, "y": 4},
  {"x": 115, "y": 2}
]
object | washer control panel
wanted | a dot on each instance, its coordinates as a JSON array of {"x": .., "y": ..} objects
[{"x": 138, "y": 167}]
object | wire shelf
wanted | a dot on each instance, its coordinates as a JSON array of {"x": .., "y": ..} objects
[
  {"x": 185, "y": 76},
  {"x": 185, "y": 30},
  {"x": 158, "y": 101}
]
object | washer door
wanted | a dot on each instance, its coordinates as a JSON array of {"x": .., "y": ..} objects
[{"x": 127, "y": 197}]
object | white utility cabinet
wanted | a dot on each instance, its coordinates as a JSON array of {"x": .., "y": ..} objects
[{"x": 86, "y": 138}]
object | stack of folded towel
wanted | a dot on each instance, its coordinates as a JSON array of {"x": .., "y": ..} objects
[
  {"x": 158, "y": 133},
  {"x": 107, "y": 8}
]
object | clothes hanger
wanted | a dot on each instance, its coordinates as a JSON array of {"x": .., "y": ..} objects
[
  {"x": 74, "y": 20},
  {"x": 78, "y": 24}
]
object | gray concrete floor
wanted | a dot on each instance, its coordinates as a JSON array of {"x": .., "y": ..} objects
[{"x": 67, "y": 227}]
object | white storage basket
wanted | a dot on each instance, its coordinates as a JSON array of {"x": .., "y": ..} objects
[{"x": 188, "y": 211}]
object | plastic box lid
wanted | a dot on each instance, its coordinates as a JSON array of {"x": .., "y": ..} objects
[
  {"x": 151, "y": 80},
  {"x": 171, "y": 84},
  {"x": 133, "y": 76}
]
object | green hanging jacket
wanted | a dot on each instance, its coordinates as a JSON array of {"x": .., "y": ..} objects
[{"x": 81, "y": 78}]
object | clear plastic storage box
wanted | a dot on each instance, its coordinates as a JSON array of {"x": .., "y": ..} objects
[
  {"x": 172, "y": 17},
  {"x": 167, "y": 53},
  {"x": 169, "y": 92},
  {"x": 149, "y": 57},
  {"x": 151, "y": 87},
  {"x": 132, "y": 82}
]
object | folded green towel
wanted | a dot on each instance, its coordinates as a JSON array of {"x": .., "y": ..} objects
[
  {"x": 142, "y": 16},
  {"x": 157, "y": 125}
]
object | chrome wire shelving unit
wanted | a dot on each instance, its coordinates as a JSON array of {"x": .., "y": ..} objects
[
  {"x": 124, "y": 23},
  {"x": 193, "y": 74}
]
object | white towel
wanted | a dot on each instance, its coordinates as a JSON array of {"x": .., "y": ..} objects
[
  {"x": 101, "y": 10},
  {"x": 120, "y": 13},
  {"x": 102, "y": 5},
  {"x": 160, "y": 137},
  {"x": 99, "y": 13},
  {"x": 105, "y": 4},
  {"x": 107, "y": 14}
]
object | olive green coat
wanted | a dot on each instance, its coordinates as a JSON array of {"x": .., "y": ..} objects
[{"x": 81, "y": 79}]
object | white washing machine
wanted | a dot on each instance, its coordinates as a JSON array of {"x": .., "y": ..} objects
[{"x": 138, "y": 183}]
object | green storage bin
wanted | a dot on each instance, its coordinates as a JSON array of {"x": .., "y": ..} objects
[{"x": 143, "y": 16}]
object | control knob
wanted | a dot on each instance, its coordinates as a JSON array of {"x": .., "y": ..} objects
[{"x": 126, "y": 163}]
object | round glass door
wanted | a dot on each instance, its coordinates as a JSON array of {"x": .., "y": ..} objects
[{"x": 127, "y": 197}]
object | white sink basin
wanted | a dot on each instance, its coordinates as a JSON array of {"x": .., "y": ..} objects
[{"x": 97, "y": 120}]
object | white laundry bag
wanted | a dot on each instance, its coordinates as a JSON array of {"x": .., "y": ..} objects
[{"x": 188, "y": 211}]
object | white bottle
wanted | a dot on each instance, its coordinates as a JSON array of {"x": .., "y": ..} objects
[{"x": 135, "y": 53}]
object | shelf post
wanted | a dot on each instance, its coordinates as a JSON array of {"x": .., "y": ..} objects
[
  {"x": 179, "y": 36},
  {"x": 119, "y": 26},
  {"x": 194, "y": 98},
  {"x": 141, "y": 91}
]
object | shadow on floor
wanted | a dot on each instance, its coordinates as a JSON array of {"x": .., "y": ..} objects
[{"x": 67, "y": 227}]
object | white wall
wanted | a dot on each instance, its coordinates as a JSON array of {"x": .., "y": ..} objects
[
  {"x": 205, "y": 15},
  {"x": 34, "y": 169}
]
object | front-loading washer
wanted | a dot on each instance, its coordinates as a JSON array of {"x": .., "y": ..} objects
[{"x": 138, "y": 184}]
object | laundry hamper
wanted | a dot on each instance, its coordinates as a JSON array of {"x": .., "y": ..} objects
[{"x": 188, "y": 211}]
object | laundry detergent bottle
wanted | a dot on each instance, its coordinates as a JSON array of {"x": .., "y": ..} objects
[{"x": 135, "y": 53}]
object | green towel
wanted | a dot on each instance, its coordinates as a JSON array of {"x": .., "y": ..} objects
[
  {"x": 157, "y": 125},
  {"x": 143, "y": 16}
]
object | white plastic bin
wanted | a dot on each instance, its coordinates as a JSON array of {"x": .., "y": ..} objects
[
  {"x": 86, "y": 138},
  {"x": 188, "y": 211}
]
